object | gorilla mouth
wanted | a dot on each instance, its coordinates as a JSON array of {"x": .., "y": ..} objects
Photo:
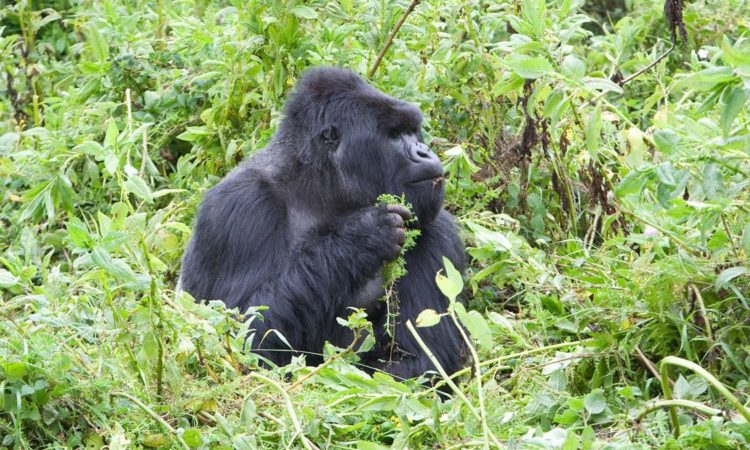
[{"x": 435, "y": 179}]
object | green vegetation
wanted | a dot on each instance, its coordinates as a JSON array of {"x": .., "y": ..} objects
[{"x": 605, "y": 208}]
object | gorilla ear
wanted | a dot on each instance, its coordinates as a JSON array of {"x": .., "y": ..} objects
[{"x": 331, "y": 135}]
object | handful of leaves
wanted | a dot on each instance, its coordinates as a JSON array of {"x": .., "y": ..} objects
[{"x": 394, "y": 270}]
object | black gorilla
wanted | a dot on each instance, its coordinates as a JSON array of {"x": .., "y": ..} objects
[{"x": 295, "y": 228}]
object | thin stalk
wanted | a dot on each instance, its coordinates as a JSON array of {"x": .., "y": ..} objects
[
  {"x": 289, "y": 407},
  {"x": 675, "y": 361},
  {"x": 389, "y": 39},
  {"x": 158, "y": 328},
  {"x": 500, "y": 359},
  {"x": 652, "y": 64},
  {"x": 735, "y": 248},
  {"x": 702, "y": 309},
  {"x": 154, "y": 416},
  {"x": 687, "y": 404},
  {"x": 447, "y": 379},
  {"x": 488, "y": 435}
]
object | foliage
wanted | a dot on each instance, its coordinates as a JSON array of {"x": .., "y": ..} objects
[
  {"x": 395, "y": 270},
  {"x": 606, "y": 212}
]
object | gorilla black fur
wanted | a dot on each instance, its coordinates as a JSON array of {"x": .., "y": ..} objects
[{"x": 295, "y": 228}]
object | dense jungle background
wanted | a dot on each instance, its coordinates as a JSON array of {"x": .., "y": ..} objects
[{"x": 598, "y": 159}]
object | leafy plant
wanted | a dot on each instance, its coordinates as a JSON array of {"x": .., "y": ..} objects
[{"x": 597, "y": 163}]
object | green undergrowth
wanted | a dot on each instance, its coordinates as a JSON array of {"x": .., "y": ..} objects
[{"x": 603, "y": 200}]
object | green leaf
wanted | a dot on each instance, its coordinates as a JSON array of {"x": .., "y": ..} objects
[
  {"x": 533, "y": 13},
  {"x": 478, "y": 328},
  {"x": 94, "y": 441},
  {"x": 746, "y": 239},
  {"x": 734, "y": 103},
  {"x": 248, "y": 413},
  {"x": 192, "y": 134},
  {"x": 681, "y": 388},
  {"x": 706, "y": 79},
  {"x": 366, "y": 445},
  {"x": 115, "y": 267},
  {"x": 14, "y": 371},
  {"x": 588, "y": 437},
  {"x": 192, "y": 437},
  {"x": 508, "y": 83},
  {"x": 135, "y": 185},
  {"x": 492, "y": 238},
  {"x": 633, "y": 183},
  {"x": 452, "y": 284},
  {"x": 92, "y": 148},
  {"x": 727, "y": 275},
  {"x": 97, "y": 43},
  {"x": 111, "y": 162},
  {"x": 713, "y": 181},
  {"x": 595, "y": 402},
  {"x": 428, "y": 318},
  {"x": 78, "y": 232},
  {"x": 154, "y": 440},
  {"x": 7, "y": 279},
  {"x": 573, "y": 68},
  {"x": 110, "y": 138},
  {"x": 593, "y": 130},
  {"x": 667, "y": 141},
  {"x": 380, "y": 403},
  {"x": 304, "y": 12},
  {"x": 601, "y": 84},
  {"x": 665, "y": 174},
  {"x": 571, "y": 441},
  {"x": 529, "y": 67}
]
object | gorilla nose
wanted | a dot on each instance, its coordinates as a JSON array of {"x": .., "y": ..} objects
[
  {"x": 420, "y": 153},
  {"x": 426, "y": 164}
]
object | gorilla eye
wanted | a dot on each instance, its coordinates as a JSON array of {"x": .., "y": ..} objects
[
  {"x": 394, "y": 133},
  {"x": 330, "y": 135}
]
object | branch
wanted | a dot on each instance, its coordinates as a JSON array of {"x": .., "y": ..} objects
[
  {"x": 649, "y": 365},
  {"x": 648, "y": 67},
  {"x": 389, "y": 40}
]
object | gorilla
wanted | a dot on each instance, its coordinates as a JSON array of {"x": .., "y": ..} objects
[{"x": 297, "y": 228}]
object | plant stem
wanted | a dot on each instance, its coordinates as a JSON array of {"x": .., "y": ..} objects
[
  {"x": 442, "y": 371},
  {"x": 652, "y": 64},
  {"x": 389, "y": 40},
  {"x": 689, "y": 404},
  {"x": 289, "y": 407},
  {"x": 675, "y": 361},
  {"x": 702, "y": 311},
  {"x": 488, "y": 435},
  {"x": 155, "y": 416},
  {"x": 158, "y": 328}
]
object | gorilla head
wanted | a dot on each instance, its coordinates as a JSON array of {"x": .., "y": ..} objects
[{"x": 362, "y": 141}]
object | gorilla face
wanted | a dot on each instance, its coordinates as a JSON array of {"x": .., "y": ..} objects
[
  {"x": 373, "y": 141},
  {"x": 418, "y": 174}
]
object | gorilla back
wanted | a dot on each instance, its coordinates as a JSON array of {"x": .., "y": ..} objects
[{"x": 295, "y": 228}]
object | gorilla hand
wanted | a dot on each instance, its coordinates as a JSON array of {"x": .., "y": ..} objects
[
  {"x": 388, "y": 232},
  {"x": 381, "y": 230},
  {"x": 397, "y": 216}
]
